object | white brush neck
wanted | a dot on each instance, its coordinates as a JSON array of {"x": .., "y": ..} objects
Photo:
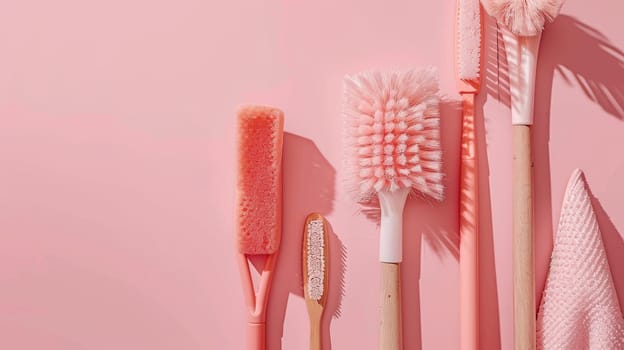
[
  {"x": 522, "y": 62},
  {"x": 391, "y": 230}
]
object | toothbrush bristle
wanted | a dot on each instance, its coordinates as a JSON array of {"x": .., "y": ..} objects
[
  {"x": 468, "y": 39},
  {"x": 523, "y": 17},
  {"x": 259, "y": 187},
  {"x": 315, "y": 242},
  {"x": 392, "y": 133}
]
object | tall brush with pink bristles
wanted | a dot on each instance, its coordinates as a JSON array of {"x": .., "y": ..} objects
[
  {"x": 524, "y": 19},
  {"x": 468, "y": 46},
  {"x": 393, "y": 149}
]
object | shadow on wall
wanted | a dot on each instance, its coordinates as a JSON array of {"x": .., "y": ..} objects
[
  {"x": 309, "y": 182},
  {"x": 587, "y": 60},
  {"x": 614, "y": 245}
]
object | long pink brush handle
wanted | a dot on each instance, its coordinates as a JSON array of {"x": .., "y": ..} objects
[
  {"x": 256, "y": 302},
  {"x": 256, "y": 336},
  {"x": 469, "y": 228}
]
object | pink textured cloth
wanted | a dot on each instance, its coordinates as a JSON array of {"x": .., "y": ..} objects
[{"x": 579, "y": 308}]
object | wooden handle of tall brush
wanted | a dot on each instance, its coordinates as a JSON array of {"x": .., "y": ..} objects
[
  {"x": 523, "y": 259},
  {"x": 390, "y": 337}
]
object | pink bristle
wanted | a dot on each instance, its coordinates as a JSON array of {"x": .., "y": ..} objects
[
  {"x": 392, "y": 133},
  {"x": 468, "y": 39},
  {"x": 523, "y": 17},
  {"x": 259, "y": 187}
]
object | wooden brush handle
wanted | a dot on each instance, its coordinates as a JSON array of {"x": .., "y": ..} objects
[
  {"x": 315, "y": 334},
  {"x": 523, "y": 261},
  {"x": 390, "y": 337}
]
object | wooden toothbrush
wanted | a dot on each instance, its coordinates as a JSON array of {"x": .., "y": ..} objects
[{"x": 315, "y": 266}]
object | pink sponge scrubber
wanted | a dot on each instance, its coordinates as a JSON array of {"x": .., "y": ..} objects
[{"x": 259, "y": 187}]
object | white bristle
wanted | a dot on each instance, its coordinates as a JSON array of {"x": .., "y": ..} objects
[
  {"x": 523, "y": 17},
  {"x": 468, "y": 39},
  {"x": 316, "y": 259}
]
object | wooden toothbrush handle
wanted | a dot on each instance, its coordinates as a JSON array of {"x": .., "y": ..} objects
[
  {"x": 390, "y": 337},
  {"x": 315, "y": 334},
  {"x": 523, "y": 258}
]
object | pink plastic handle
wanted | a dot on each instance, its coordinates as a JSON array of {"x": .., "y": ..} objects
[{"x": 256, "y": 333}]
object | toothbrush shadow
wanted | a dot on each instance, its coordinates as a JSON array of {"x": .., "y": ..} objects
[
  {"x": 337, "y": 263},
  {"x": 308, "y": 186},
  {"x": 424, "y": 219}
]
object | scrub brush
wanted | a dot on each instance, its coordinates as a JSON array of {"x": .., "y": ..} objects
[
  {"x": 392, "y": 149},
  {"x": 259, "y": 206},
  {"x": 468, "y": 46}
]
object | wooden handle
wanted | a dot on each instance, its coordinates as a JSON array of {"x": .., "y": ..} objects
[
  {"x": 523, "y": 261},
  {"x": 390, "y": 334},
  {"x": 315, "y": 334}
]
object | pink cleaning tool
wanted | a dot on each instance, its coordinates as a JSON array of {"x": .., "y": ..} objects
[
  {"x": 393, "y": 149},
  {"x": 259, "y": 208},
  {"x": 468, "y": 55},
  {"x": 579, "y": 308},
  {"x": 522, "y": 22}
]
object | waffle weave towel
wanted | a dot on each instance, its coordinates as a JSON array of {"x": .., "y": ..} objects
[{"x": 579, "y": 308}]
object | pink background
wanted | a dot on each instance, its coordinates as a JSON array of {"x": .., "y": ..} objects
[{"x": 117, "y": 154}]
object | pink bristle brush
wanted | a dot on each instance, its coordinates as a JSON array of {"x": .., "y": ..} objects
[
  {"x": 393, "y": 148},
  {"x": 468, "y": 55},
  {"x": 259, "y": 206},
  {"x": 525, "y": 19}
]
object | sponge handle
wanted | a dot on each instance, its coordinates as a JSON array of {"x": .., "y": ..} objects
[
  {"x": 390, "y": 337},
  {"x": 256, "y": 333}
]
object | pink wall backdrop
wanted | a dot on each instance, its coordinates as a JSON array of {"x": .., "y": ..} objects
[{"x": 117, "y": 166}]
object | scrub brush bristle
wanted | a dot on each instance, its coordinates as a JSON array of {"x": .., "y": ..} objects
[{"x": 392, "y": 130}]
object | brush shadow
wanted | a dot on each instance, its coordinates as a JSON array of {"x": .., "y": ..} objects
[
  {"x": 424, "y": 219},
  {"x": 591, "y": 62},
  {"x": 308, "y": 186},
  {"x": 337, "y": 263},
  {"x": 614, "y": 246},
  {"x": 489, "y": 316}
]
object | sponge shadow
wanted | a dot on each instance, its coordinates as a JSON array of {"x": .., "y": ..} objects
[{"x": 308, "y": 186}]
